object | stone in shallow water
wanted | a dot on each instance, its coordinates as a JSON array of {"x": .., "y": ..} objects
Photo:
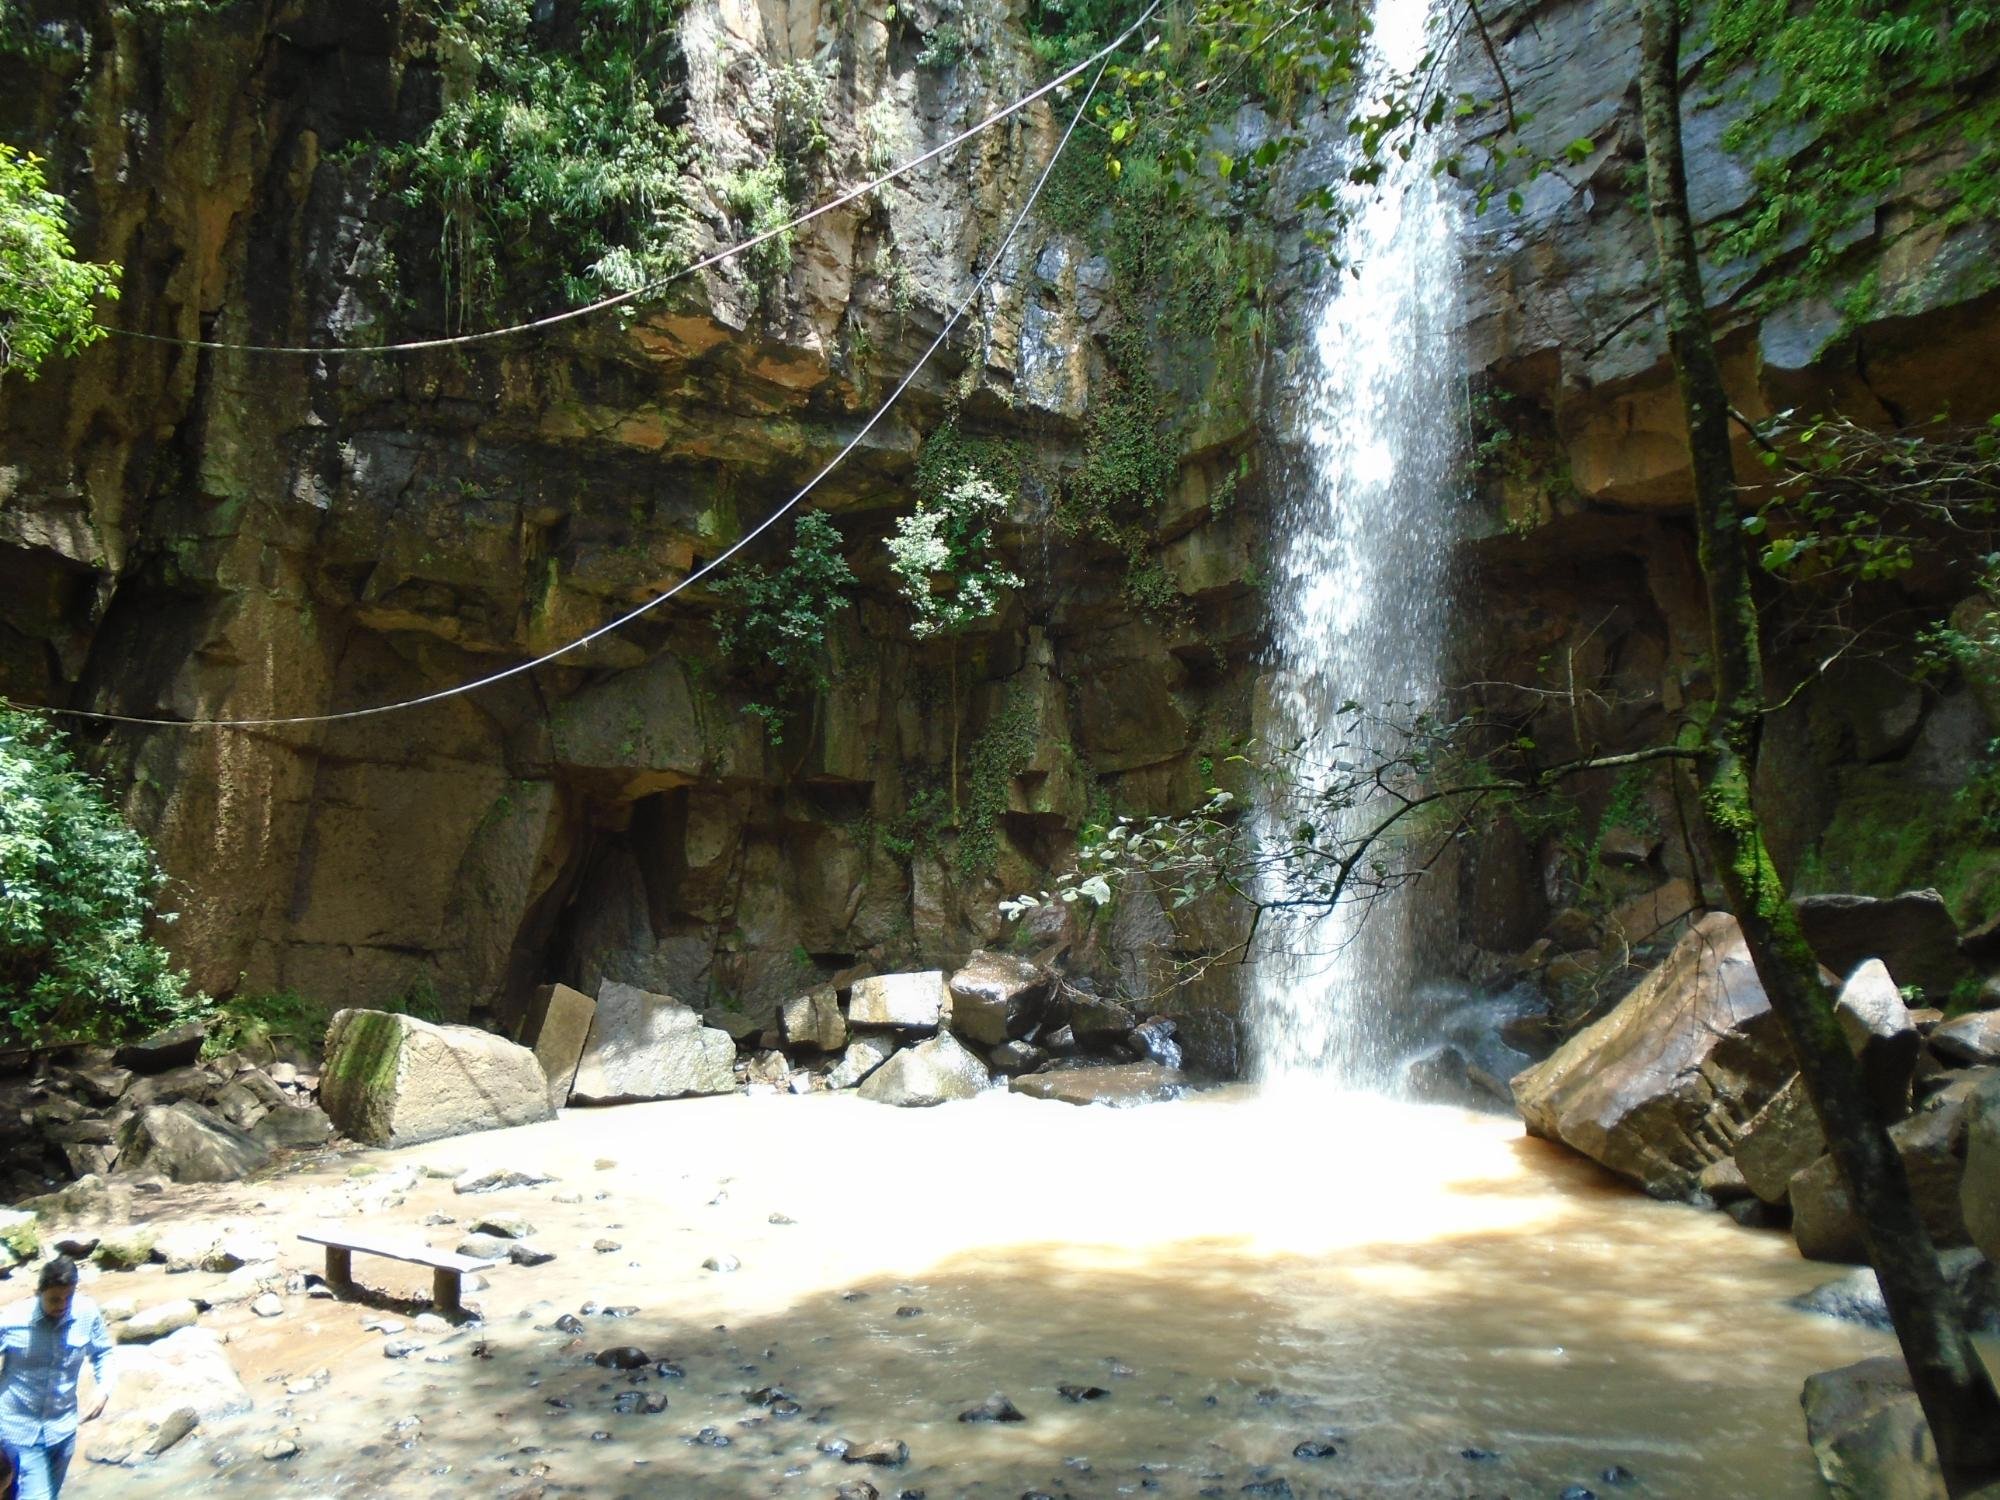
[
  {"x": 884, "y": 1453},
  {"x": 995, "y": 1408},
  {"x": 1868, "y": 1433},
  {"x": 933, "y": 1072},
  {"x": 1118, "y": 1085},
  {"x": 393, "y": 1080},
  {"x": 647, "y": 1046}
]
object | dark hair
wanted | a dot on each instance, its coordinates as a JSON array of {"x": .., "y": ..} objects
[{"x": 59, "y": 1272}]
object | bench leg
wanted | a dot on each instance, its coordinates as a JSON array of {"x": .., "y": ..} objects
[
  {"x": 339, "y": 1268},
  {"x": 444, "y": 1290}
]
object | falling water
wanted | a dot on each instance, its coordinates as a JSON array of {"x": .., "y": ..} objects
[{"x": 1358, "y": 600}]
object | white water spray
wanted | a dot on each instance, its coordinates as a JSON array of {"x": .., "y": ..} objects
[{"x": 1358, "y": 599}]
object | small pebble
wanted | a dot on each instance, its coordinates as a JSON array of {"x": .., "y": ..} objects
[
  {"x": 1313, "y": 1448},
  {"x": 401, "y": 1348},
  {"x": 708, "y": 1437},
  {"x": 909, "y": 1311},
  {"x": 607, "y": 1247},
  {"x": 280, "y": 1447},
  {"x": 722, "y": 1263}
]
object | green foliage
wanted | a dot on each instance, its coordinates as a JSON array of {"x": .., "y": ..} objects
[
  {"x": 45, "y": 292},
  {"x": 550, "y": 162},
  {"x": 1871, "y": 84},
  {"x": 76, "y": 890},
  {"x": 916, "y": 829},
  {"x": 248, "y": 1021},
  {"x": 943, "y": 555},
  {"x": 1003, "y": 752},
  {"x": 756, "y": 199},
  {"x": 782, "y": 614}
]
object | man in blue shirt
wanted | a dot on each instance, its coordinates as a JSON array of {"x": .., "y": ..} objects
[{"x": 43, "y": 1344}]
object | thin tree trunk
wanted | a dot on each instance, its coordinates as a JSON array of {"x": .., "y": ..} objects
[{"x": 1958, "y": 1399}]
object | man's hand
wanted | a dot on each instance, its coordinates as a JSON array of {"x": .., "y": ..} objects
[{"x": 97, "y": 1407}]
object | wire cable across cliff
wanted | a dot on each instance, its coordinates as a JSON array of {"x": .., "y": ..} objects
[{"x": 1101, "y": 59}]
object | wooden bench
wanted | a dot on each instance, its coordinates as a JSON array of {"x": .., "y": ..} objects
[{"x": 446, "y": 1267}]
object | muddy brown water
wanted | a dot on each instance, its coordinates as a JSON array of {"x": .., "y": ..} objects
[{"x": 1238, "y": 1275}]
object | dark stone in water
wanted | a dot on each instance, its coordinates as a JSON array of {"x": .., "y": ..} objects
[
  {"x": 1477, "y": 1455},
  {"x": 1082, "y": 1392},
  {"x": 570, "y": 1323},
  {"x": 666, "y": 1369},
  {"x": 859, "y": 1489},
  {"x": 995, "y": 1408},
  {"x": 625, "y": 1357},
  {"x": 1312, "y": 1448},
  {"x": 1155, "y": 1040},
  {"x": 1618, "y": 1474},
  {"x": 1577, "y": 1492},
  {"x": 629, "y": 1403},
  {"x": 560, "y": 1403},
  {"x": 834, "y": 1447},
  {"x": 600, "y": 1437},
  {"x": 910, "y": 1311},
  {"x": 891, "y": 1454},
  {"x": 1270, "y": 1489},
  {"x": 708, "y": 1437}
]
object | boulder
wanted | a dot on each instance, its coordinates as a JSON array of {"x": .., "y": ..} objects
[
  {"x": 907, "y": 1002},
  {"x": 189, "y": 1368},
  {"x": 1153, "y": 1040},
  {"x": 996, "y": 998},
  {"x": 1097, "y": 1024},
  {"x": 1661, "y": 1086},
  {"x": 175, "y": 1047},
  {"x": 393, "y": 1080},
  {"x": 1208, "y": 1042},
  {"x": 124, "y": 1249},
  {"x": 1913, "y": 934},
  {"x": 293, "y": 1127},
  {"x": 1119, "y": 1086},
  {"x": 863, "y": 1056},
  {"x": 157, "y": 1321},
  {"x": 1878, "y": 1028},
  {"x": 813, "y": 1021},
  {"x": 1969, "y": 1278},
  {"x": 931, "y": 1072},
  {"x": 1971, "y": 1041},
  {"x": 557, "y": 1027},
  {"x": 188, "y": 1143},
  {"x": 1979, "y": 1193},
  {"x": 1011, "y": 1058},
  {"x": 90, "y": 1199},
  {"x": 1783, "y": 1140},
  {"x": 647, "y": 1046},
  {"x": 1931, "y": 1143},
  {"x": 1868, "y": 1433}
]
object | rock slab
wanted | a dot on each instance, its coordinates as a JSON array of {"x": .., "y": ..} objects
[
  {"x": 647, "y": 1046},
  {"x": 1660, "y": 1087},
  {"x": 393, "y": 1080},
  {"x": 188, "y": 1143},
  {"x": 907, "y": 1002},
  {"x": 931, "y": 1072},
  {"x": 1119, "y": 1085},
  {"x": 1912, "y": 933},
  {"x": 813, "y": 1021},
  {"x": 557, "y": 1027},
  {"x": 1868, "y": 1433},
  {"x": 996, "y": 998}
]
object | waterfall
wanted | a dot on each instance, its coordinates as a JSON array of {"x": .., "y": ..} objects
[{"x": 1361, "y": 540}]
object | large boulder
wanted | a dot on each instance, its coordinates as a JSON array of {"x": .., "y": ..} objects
[
  {"x": 1119, "y": 1085},
  {"x": 393, "y": 1080},
  {"x": 1869, "y": 1435},
  {"x": 1979, "y": 1193},
  {"x": 1932, "y": 1145},
  {"x": 557, "y": 1027},
  {"x": 863, "y": 1056},
  {"x": 907, "y": 1002},
  {"x": 175, "y": 1047},
  {"x": 1657, "y": 1089},
  {"x": 1881, "y": 1034},
  {"x": 647, "y": 1046},
  {"x": 931, "y": 1072},
  {"x": 188, "y": 1143},
  {"x": 813, "y": 1021},
  {"x": 1912, "y": 933},
  {"x": 293, "y": 1126},
  {"x": 996, "y": 998}
]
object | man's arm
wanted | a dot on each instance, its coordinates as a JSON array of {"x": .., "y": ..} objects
[{"x": 100, "y": 1364}]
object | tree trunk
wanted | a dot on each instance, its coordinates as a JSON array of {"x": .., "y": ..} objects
[{"x": 1958, "y": 1399}]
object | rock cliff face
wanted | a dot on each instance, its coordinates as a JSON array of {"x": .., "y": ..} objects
[{"x": 204, "y": 533}]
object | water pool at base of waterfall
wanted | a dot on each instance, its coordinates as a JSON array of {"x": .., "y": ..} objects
[{"x": 1243, "y": 1276}]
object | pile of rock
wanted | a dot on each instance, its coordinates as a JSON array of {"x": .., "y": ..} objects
[{"x": 154, "y": 1107}]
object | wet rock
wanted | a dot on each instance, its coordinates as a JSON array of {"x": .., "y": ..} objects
[
  {"x": 1010, "y": 1059},
  {"x": 857, "y": 1489},
  {"x": 1153, "y": 1040},
  {"x": 1879, "y": 1030},
  {"x": 995, "y": 1408},
  {"x": 1869, "y": 1435},
  {"x": 157, "y": 1321},
  {"x": 1970, "y": 1279},
  {"x": 268, "y": 1306},
  {"x": 1118, "y": 1085},
  {"x": 293, "y": 1127},
  {"x": 631, "y": 1403},
  {"x": 722, "y": 1263},
  {"x": 885, "y": 1453},
  {"x": 1097, "y": 1024},
  {"x": 1577, "y": 1492},
  {"x": 624, "y": 1357},
  {"x": 1269, "y": 1489},
  {"x": 1678, "y": 1068},
  {"x": 188, "y": 1143},
  {"x": 648, "y": 1046},
  {"x": 863, "y": 1056},
  {"x": 1082, "y": 1392},
  {"x": 506, "y": 1226},
  {"x": 1316, "y": 1448},
  {"x": 813, "y": 1021},
  {"x": 1971, "y": 1041},
  {"x": 392, "y": 1080},
  {"x": 522, "y": 1253},
  {"x": 1618, "y": 1474},
  {"x": 1932, "y": 1145},
  {"x": 1722, "y": 1182},
  {"x": 997, "y": 998},
  {"x": 1913, "y": 934},
  {"x": 932, "y": 1072},
  {"x": 709, "y": 1437},
  {"x": 497, "y": 1179},
  {"x": 907, "y": 1002},
  {"x": 175, "y": 1047}
]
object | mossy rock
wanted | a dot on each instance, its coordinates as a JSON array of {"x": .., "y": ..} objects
[
  {"x": 125, "y": 1249},
  {"x": 20, "y": 1235}
]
